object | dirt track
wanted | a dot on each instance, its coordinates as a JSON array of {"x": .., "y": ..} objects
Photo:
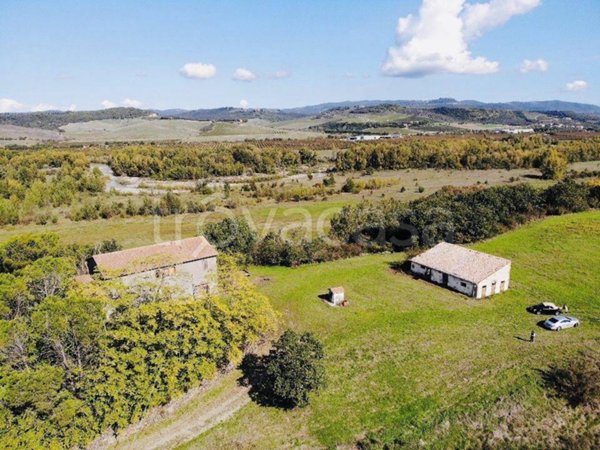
[{"x": 182, "y": 420}]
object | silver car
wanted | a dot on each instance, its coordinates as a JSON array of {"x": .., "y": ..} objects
[{"x": 557, "y": 323}]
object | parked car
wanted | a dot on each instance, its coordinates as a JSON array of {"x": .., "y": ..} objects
[
  {"x": 545, "y": 308},
  {"x": 557, "y": 323}
]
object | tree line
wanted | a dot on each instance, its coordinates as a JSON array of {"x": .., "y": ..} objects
[
  {"x": 469, "y": 153},
  {"x": 460, "y": 215},
  {"x": 191, "y": 162}
]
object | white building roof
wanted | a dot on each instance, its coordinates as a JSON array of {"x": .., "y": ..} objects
[{"x": 461, "y": 262}]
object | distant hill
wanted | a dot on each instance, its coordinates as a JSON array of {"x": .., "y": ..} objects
[
  {"x": 441, "y": 110},
  {"x": 542, "y": 106},
  {"x": 52, "y": 120},
  {"x": 230, "y": 114}
]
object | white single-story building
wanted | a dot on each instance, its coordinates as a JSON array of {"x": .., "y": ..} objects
[
  {"x": 470, "y": 272},
  {"x": 189, "y": 265}
]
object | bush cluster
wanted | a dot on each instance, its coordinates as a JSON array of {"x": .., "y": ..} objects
[
  {"x": 235, "y": 236},
  {"x": 460, "y": 215},
  {"x": 33, "y": 181}
]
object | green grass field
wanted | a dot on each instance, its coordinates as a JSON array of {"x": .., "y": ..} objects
[{"x": 411, "y": 360}]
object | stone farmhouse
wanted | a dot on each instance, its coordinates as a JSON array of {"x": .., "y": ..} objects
[{"x": 189, "y": 265}]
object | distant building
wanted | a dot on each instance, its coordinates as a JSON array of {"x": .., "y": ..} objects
[
  {"x": 470, "y": 272},
  {"x": 188, "y": 264},
  {"x": 518, "y": 130},
  {"x": 336, "y": 295}
]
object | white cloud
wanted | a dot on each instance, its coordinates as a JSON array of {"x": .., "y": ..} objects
[
  {"x": 539, "y": 65},
  {"x": 43, "y": 107},
  {"x": 577, "y": 86},
  {"x": 10, "y": 105},
  {"x": 437, "y": 40},
  {"x": 127, "y": 103},
  {"x": 108, "y": 104},
  {"x": 481, "y": 17},
  {"x": 280, "y": 74},
  {"x": 131, "y": 103},
  {"x": 242, "y": 74},
  {"x": 244, "y": 104},
  {"x": 198, "y": 71}
]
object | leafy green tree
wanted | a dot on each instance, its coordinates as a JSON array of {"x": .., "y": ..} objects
[
  {"x": 15, "y": 299},
  {"x": 293, "y": 369},
  {"x": 48, "y": 276},
  {"x": 69, "y": 331},
  {"x": 270, "y": 250},
  {"x": 553, "y": 165},
  {"x": 567, "y": 196},
  {"x": 231, "y": 235},
  {"x": 19, "y": 251}
]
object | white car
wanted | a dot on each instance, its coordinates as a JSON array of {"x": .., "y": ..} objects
[{"x": 557, "y": 323}]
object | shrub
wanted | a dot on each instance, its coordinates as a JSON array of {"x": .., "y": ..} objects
[
  {"x": 567, "y": 196},
  {"x": 351, "y": 186},
  {"x": 578, "y": 380},
  {"x": 553, "y": 165},
  {"x": 289, "y": 373},
  {"x": 329, "y": 180}
]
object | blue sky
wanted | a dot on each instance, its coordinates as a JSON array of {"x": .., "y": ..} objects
[{"x": 89, "y": 54}]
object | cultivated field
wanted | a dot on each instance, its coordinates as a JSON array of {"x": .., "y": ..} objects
[
  {"x": 422, "y": 365},
  {"x": 145, "y": 129}
]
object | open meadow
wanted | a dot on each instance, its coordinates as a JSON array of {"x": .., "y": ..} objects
[{"x": 409, "y": 362}]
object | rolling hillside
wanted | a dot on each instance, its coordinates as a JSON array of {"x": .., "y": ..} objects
[
  {"x": 414, "y": 365},
  {"x": 345, "y": 118}
]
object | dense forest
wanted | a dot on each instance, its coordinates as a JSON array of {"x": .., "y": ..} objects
[
  {"x": 465, "y": 153},
  {"x": 193, "y": 162},
  {"x": 52, "y": 120},
  {"x": 76, "y": 360}
]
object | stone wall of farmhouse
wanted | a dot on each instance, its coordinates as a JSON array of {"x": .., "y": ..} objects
[
  {"x": 190, "y": 278},
  {"x": 417, "y": 268},
  {"x": 466, "y": 287},
  {"x": 437, "y": 276}
]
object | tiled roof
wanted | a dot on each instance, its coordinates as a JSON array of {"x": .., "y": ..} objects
[
  {"x": 337, "y": 290},
  {"x": 141, "y": 259},
  {"x": 461, "y": 262}
]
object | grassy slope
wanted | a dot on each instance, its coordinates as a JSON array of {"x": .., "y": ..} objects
[{"x": 426, "y": 363}]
